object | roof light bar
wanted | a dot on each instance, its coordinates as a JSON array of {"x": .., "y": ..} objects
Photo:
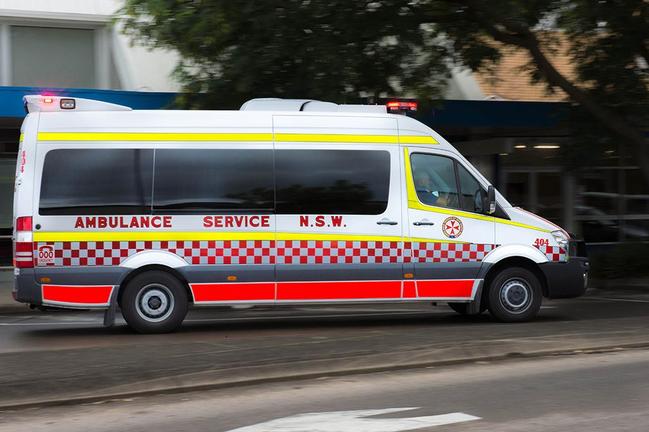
[
  {"x": 48, "y": 103},
  {"x": 401, "y": 106}
]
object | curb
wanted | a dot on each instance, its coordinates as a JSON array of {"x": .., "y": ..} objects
[{"x": 179, "y": 389}]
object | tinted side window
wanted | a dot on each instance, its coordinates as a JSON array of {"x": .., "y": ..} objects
[
  {"x": 203, "y": 180},
  {"x": 472, "y": 193},
  {"x": 96, "y": 181},
  {"x": 435, "y": 181},
  {"x": 332, "y": 181}
]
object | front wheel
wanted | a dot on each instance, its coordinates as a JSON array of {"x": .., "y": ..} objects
[
  {"x": 154, "y": 302},
  {"x": 515, "y": 295}
]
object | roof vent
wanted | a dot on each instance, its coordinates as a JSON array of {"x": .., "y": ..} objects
[{"x": 299, "y": 105}]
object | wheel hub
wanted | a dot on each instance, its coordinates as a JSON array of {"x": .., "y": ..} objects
[
  {"x": 516, "y": 295},
  {"x": 154, "y": 302}
]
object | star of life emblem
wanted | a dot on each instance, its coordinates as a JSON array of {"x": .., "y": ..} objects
[{"x": 452, "y": 227}]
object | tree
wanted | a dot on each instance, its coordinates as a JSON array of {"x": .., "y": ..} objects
[
  {"x": 610, "y": 48},
  {"x": 340, "y": 49},
  {"x": 329, "y": 49}
]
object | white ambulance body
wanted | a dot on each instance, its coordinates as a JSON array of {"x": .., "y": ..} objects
[{"x": 282, "y": 202}]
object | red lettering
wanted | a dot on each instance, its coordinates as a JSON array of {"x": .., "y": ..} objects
[
  {"x": 265, "y": 221},
  {"x": 228, "y": 221},
  {"x": 218, "y": 221},
  {"x": 207, "y": 222},
  {"x": 304, "y": 221},
  {"x": 91, "y": 222},
  {"x": 239, "y": 220},
  {"x": 319, "y": 221},
  {"x": 167, "y": 222},
  {"x": 144, "y": 222},
  {"x": 336, "y": 221},
  {"x": 134, "y": 223},
  {"x": 156, "y": 221},
  {"x": 253, "y": 221},
  {"x": 102, "y": 222},
  {"x": 79, "y": 223},
  {"x": 122, "y": 223}
]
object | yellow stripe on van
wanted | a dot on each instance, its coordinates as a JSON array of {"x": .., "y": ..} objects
[
  {"x": 336, "y": 138},
  {"x": 74, "y": 236},
  {"x": 414, "y": 203},
  {"x": 22, "y": 137},
  {"x": 152, "y": 136},
  {"x": 417, "y": 139},
  {"x": 234, "y": 137}
]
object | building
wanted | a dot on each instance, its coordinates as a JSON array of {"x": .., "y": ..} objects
[
  {"x": 68, "y": 47},
  {"x": 518, "y": 133},
  {"x": 512, "y": 130}
]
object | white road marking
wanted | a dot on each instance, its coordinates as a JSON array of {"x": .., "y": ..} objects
[{"x": 355, "y": 421}]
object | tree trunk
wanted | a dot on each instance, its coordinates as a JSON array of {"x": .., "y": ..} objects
[{"x": 609, "y": 119}]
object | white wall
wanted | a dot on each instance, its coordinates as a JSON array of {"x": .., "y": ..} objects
[{"x": 136, "y": 67}]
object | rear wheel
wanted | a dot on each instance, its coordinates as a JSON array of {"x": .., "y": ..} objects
[
  {"x": 515, "y": 295},
  {"x": 154, "y": 302}
]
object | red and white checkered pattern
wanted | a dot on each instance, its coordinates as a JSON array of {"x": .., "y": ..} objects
[
  {"x": 238, "y": 252},
  {"x": 337, "y": 252},
  {"x": 449, "y": 252},
  {"x": 194, "y": 252},
  {"x": 554, "y": 253}
]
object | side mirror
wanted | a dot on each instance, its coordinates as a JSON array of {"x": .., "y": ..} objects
[{"x": 491, "y": 200}]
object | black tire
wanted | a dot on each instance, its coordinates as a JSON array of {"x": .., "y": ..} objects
[
  {"x": 154, "y": 302},
  {"x": 515, "y": 295}
]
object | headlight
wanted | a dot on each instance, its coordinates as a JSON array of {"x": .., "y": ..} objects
[{"x": 561, "y": 238}]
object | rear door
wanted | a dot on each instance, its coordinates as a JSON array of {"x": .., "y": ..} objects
[
  {"x": 449, "y": 232},
  {"x": 338, "y": 212}
]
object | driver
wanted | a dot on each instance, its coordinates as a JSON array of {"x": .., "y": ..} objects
[{"x": 425, "y": 190}]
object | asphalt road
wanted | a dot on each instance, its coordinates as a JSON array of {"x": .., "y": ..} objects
[
  {"x": 54, "y": 356},
  {"x": 603, "y": 392}
]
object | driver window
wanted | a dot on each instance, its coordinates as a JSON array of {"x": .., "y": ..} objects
[
  {"x": 434, "y": 178},
  {"x": 472, "y": 194}
]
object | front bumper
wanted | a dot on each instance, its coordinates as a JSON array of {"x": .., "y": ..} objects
[{"x": 566, "y": 279}]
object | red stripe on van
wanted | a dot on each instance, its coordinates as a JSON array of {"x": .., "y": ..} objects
[
  {"x": 81, "y": 294},
  {"x": 445, "y": 288},
  {"x": 338, "y": 290},
  {"x": 409, "y": 289},
  {"x": 233, "y": 291}
]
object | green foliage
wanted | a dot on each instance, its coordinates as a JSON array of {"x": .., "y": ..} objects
[
  {"x": 341, "y": 50},
  {"x": 329, "y": 49}
]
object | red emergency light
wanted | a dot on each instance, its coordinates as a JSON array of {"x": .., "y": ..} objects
[{"x": 401, "y": 106}]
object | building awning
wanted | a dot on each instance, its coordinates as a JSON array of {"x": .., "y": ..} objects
[
  {"x": 456, "y": 115},
  {"x": 11, "y": 98}
]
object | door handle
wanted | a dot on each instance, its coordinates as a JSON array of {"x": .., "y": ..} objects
[
  {"x": 423, "y": 222},
  {"x": 386, "y": 221}
]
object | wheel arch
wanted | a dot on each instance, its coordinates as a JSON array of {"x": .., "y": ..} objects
[
  {"x": 153, "y": 267},
  {"x": 514, "y": 261}
]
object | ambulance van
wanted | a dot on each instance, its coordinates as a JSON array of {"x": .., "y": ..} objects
[{"x": 283, "y": 202}]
